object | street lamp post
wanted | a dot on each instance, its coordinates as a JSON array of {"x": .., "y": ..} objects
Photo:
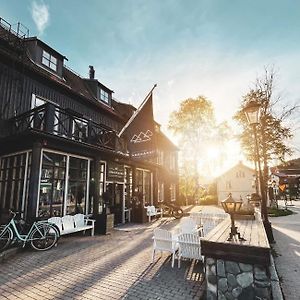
[
  {"x": 252, "y": 112},
  {"x": 231, "y": 207}
]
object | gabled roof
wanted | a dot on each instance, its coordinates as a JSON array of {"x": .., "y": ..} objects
[{"x": 238, "y": 165}]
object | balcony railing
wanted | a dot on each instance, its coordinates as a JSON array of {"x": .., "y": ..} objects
[{"x": 68, "y": 124}]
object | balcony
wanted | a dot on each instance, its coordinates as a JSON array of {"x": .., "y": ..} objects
[{"x": 52, "y": 119}]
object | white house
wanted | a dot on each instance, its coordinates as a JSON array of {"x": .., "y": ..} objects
[{"x": 239, "y": 181}]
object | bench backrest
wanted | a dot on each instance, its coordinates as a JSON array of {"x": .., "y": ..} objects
[
  {"x": 190, "y": 245},
  {"x": 163, "y": 239},
  {"x": 151, "y": 210},
  {"x": 67, "y": 222},
  {"x": 79, "y": 220},
  {"x": 56, "y": 221},
  {"x": 188, "y": 225}
]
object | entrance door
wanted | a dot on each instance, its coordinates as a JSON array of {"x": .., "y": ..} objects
[{"x": 115, "y": 191}]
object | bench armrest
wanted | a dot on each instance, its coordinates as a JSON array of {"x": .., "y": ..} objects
[{"x": 91, "y": 221}]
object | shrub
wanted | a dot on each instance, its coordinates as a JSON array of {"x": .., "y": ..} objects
[{"x": 275, "y": 212}]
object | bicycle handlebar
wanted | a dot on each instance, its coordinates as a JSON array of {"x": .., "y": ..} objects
[{"x": 14, "y": 213}]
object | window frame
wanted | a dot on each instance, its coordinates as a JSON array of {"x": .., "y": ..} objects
[
  {"x": 103, "y": 95},
  {"x": 49, "y": 60}
]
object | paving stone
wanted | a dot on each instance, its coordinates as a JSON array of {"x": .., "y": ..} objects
[{"x": 101, "y": 267}]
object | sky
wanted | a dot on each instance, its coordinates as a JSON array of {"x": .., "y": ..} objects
[{"x": 188, "y": 47}]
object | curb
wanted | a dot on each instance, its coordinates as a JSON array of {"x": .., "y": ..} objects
[
  {"x": 275, "y": 283},
  {"x": 8, "y": 254}
]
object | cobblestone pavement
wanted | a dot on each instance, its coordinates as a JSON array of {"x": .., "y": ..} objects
[
  {"x": 287, "y": 235},
  {"x": 115, "y": 266}
]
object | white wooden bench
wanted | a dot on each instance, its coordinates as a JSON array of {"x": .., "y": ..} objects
[
  {"x": 70, "y": 224},
  {"x": 152, "y": 211}
]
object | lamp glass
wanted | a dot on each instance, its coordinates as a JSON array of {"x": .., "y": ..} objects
[
  {"x": 252, "y": 112},
  {"x": 238, "y": 206}
]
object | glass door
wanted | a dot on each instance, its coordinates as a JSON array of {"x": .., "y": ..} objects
[{"x": 115, "y": 193}]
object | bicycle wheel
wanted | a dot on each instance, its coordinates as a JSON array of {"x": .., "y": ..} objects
[
  {"x": 6, "y": 236},
  {"x": 177, "y": 213},
  {"x": 43, "y": 237}
]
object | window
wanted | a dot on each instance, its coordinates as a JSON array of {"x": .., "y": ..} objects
[
  {"x": 102, "y": 184},
  {"x": 240, "y": 174},
  {"x": 128, "y": 186},
  {"x": 103, "y": 95},
  {"x": 52, "y": 185},
  {"x": 172, "y": 161},
  {"x": 228, "y": 184},
  {"x": 63, "y": 185},
  {"x": 160, "y": 192},
  {"x": 80, "y": 130},
  {"x": 39, "y": 116},
  {"x": 14, "y": 171},
  {"x": 160, "y": 157},
  {"x": 77, "y": 185},
  {"x": 143, "y": 185},
  {"x": 173, "y": 192},
  {"x": 49, "y": 61}
]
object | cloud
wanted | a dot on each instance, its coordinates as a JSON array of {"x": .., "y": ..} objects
[{"x": 40, "y": 15}]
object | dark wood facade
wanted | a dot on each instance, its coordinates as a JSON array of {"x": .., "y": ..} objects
[{"x": 59, "y": 148}]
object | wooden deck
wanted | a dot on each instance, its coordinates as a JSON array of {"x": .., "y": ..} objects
[{"x": 254, "y": 250}]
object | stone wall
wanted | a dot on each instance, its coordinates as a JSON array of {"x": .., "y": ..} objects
[{"x": 228, "y": 280}]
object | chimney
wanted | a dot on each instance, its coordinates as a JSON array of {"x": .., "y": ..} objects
[{"x": 92, "y": 72}]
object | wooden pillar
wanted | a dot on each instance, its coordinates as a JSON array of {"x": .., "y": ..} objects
[
  {"x": 34, "y": 181},
  {"x": 49, "y": 117}
]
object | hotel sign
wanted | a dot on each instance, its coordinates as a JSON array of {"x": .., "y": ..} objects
[{"x": 115, "y": 172}]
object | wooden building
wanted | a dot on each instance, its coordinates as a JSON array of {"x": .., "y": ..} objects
[
  {"x": 60, "y": 151},
  {"x": 239, "y": 181}
]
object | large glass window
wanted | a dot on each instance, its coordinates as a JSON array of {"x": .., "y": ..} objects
[
  {"x": 147, "y": 185},
  {"x": 52, "y": 184},
  {"x": 63, "y": 185},
  {"x": 49, "y": 61},
  {"x": 173, "y": 191},
  {"x": 128, "y": 186},
  {"x": 12, "y": 181},
  {"x": 143, "y": 185},
  {"x": 160, "y": 191},
  {"x": 77, "y": 185}
]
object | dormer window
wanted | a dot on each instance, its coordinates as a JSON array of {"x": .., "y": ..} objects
[
  {"x": 49, "y": 61},
  {"x": 103, "y": 95}
]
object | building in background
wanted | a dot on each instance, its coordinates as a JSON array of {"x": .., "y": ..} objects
[
  {"x": 60, "y": 146},
  {"x": 239, "y": 181}
]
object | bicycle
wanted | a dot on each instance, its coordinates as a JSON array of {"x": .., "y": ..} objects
[
  {"x": 41, "y": 235},
  {"x": 172, "y": 210}
]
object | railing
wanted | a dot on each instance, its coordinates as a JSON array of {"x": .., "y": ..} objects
[
  {"x": 68, "y": 124},
  {"x": 17, "y": 29}
]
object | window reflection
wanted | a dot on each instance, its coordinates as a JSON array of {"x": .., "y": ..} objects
[
  {"x": 77, "y": 185},
  {"x": 52, "y": 185}
]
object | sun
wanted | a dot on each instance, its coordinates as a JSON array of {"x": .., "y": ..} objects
[{"x": 219, "y": 158}]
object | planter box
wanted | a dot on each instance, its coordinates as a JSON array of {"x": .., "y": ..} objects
[
  {"x": 244, "y": 217},
  {"x": 104, "y": 223}
]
